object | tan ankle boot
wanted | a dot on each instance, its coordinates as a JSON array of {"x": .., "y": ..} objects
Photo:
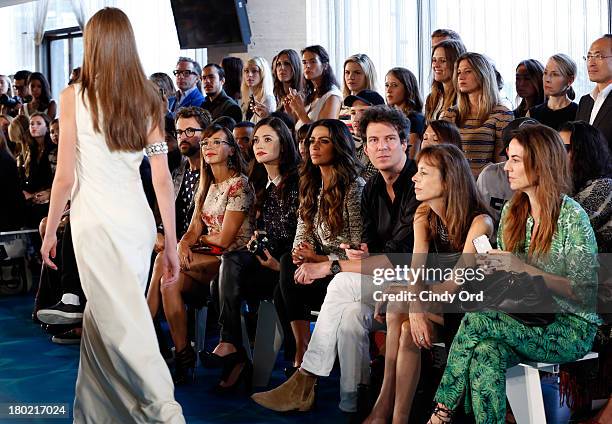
[{"x": 297, "y": 393}]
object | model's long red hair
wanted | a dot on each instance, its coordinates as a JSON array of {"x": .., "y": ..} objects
[{"x": 124, "y": 105}]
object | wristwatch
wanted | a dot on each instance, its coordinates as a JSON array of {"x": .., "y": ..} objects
[{"x": 335, "y": 267}]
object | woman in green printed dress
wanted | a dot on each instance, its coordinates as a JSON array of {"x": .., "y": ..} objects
[{"x": 542, "y": 232}]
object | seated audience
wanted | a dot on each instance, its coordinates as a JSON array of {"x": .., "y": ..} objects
[
  {"x": 441, "y": 132},
  {"x": 596, "y": 106},
  {"x": 493, "y": 181},
  {"x": 257, "y": 90},
  {"x": 166, "y": 86},
  {"x": 301, "y": 135},
  {"x": 287, "y": 76},
  {"x": 243, "y": 133},
  {"x": 591, "y": 172},
  {"x": 443, "y": 94},
  {"x": 12, "y": 201},
  {"x": 321, "y": 98},
  {"x": 542, "y": 232},
  {"x": 40, "y": 91},
  {"x": 559, "y": 75},
  {"x": 187, "y": 74},
  {"x": 346, "y": 314},
  {"x": 33, "y": 163},
  {"x": 359, "y": 75},
  {"x": 358, "y": 104},
  {"x": 253, "y": 274},
  {"x": 443, "y": 34},
  {"x": 5, "y": 121},
  {"x": 445, "y": 222},
  {"x": 529, "y": 86},
  {"x": 478, "y": 114},
  {"x": 402, "y": 92},
  {"x": 330, "y": 195},
  {"x": 221, "y": 219},
  {"x": 6, "y": 93},
  {"x": 217, "y": 102},
  {"x": 232, "y": 66},
  {"x": 191, "y": 122}
]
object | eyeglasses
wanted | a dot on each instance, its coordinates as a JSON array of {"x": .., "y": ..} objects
[
  {"x": 184, "y": 73},
  {"x": 189, "y": 132},
  {"x": 597, "y": 57},
  {"x": 206, "y": 143}
]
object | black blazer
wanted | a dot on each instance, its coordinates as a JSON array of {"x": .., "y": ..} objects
[{"x": 603, "y": 120}]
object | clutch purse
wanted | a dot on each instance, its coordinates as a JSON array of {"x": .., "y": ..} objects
[{"x": 207, "y": 249}]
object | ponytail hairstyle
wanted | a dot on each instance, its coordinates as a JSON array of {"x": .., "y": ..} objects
[{"x": 568, "y": 70}]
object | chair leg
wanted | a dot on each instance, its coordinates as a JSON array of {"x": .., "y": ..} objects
[
  {"x": 268, "y": 341},
  {"x": 524, "y": 393},
  {"x": 200, "y": 331}
]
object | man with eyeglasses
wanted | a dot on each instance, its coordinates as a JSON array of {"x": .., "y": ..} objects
[
  {"x": 187, "y": 74},
  {"x": 596, "y": 107},
  {"x": 217, "y": 102},
  {"x": 190, "y": 124}
]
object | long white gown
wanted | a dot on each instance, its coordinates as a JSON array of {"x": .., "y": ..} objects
[{"x": 122, "y": 376}]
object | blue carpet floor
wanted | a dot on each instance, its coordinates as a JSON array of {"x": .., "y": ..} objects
[{"x": 32, "y": 369}]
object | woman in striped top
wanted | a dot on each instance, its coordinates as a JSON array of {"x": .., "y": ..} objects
[{"x": 479, "y": 115}]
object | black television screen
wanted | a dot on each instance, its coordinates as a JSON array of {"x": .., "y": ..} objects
[{"x": 207, "y": 23}]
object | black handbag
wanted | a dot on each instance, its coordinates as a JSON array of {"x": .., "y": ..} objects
[{"x": 514, "y": 294}]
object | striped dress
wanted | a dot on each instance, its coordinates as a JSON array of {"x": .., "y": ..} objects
[{"x": 482, "y": 144}]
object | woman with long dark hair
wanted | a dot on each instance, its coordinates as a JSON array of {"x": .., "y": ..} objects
[
  {"x": 40, "y": 90},
  {"x": 221, "y": 218},
  {"x": 253, "y": 274},
  {"x": 590, "y": 164},
  {"x": 440, "y": 131},
  {"x": 545, "y": 233},
  {"x": 443, "y": 93},
  {"x": 529, "y": 86},
  {"x": 321, "y": 98},
  {"x": 232, "y": 66},
  {"x": 122, "y": 375},
  {"x": 402, "y": 92},
  {"x": 287, "y": 75},
  {"x": 445, "y": 223},
  {"x": 330, "y": 214}
]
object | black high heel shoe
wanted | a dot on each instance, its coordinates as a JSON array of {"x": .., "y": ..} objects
[
  {"x": 230, "y": 362},
  {"x": 184, "y": 364}
]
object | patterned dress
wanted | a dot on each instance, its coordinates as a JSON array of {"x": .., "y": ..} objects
[
  {"x": 490, "y": 342},
  {"x": 233, "y": 194}
]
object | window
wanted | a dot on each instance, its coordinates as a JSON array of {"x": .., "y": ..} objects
[
  {"x": 397, "y": 32},
  {"x": 62, "y": 52}
]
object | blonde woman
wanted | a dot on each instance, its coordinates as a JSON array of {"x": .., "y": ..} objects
[
  {"x": 479, "y": 115},
  {"x": 257, "y": 90},
  {"x": 359, "y": 74},
  {"x": 559, "y": 74}
]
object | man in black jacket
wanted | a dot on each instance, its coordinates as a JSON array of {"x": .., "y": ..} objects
[
  {"x": 388, "y": 205},
  {"x": 217, "y": 102},
  {"x": 596, "y": 107}
]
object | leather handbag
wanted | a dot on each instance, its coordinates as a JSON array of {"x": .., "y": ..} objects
[{"x": 514, "y": 294}]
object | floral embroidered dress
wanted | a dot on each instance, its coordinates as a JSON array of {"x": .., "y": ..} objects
[{"x": 233, "y": 194}]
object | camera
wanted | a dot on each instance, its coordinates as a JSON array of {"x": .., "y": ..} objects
[
  {"x": 258, "y": 245},
  {"x": 9, "y": 102}
]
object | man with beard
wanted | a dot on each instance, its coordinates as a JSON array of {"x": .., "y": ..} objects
[{"x": 190, "y": 124}]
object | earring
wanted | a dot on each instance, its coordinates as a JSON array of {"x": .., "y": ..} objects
[{"x": 230, "y": 162}]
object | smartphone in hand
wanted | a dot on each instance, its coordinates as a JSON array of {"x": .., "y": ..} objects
[{"x": 482, "y": 244}]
